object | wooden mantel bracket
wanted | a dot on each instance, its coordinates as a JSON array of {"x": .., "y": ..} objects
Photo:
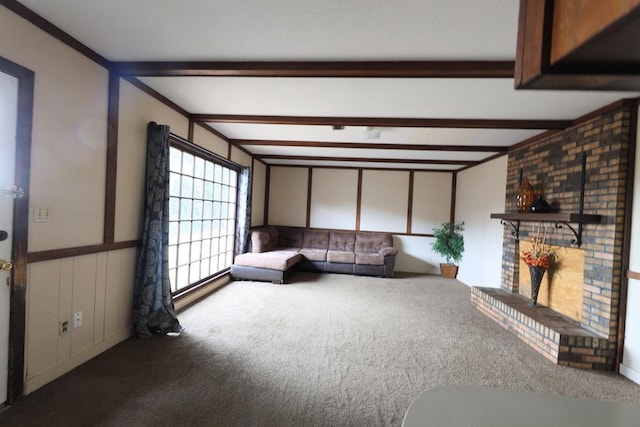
[
  {"x": 516, "y": 227},
  {"x": 578, "y": 240}
]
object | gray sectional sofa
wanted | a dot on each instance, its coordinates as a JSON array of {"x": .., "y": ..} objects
[{"x": 276, "y": 250}]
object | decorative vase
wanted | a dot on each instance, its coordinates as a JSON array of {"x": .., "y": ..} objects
[
  {"x": 525, "y": 196},
  {"x": 540, "y": 206},
  {"x": 536, "y": 274}
]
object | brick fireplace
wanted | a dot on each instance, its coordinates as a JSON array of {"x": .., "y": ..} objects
[{"x": 585, "y": 336}]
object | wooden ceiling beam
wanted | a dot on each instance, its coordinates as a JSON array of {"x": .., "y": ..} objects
[
  {"x": 389, "y": 69},
  {"x": 365, "y": 160},
  {"x": 384, "y": 122},
  {"x": 371, "y": 145}
]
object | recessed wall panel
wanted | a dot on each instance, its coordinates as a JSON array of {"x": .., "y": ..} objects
[
  {"x": 334, "y": 196},
  {"x": 288, "y": 196},
  {"x": 258, "y": 193},
  {"x": 385, "y": 195},
  {"x": 431, "y": 201}
]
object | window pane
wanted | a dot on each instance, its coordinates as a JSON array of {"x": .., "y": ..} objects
[
  {"x": 175, "y": 159},
  {"x": 216, "y": 210},
  {"x": 185, "y": 209},
  {"x": 196, "y": 230},
  {"x": 225, "y": 193},
  {"x": 197, "y": 209},
  {"x": 183, "y": 254},
  {"x": 187, "y": 164},
  {"x": 208, "y": 190},
  {"x": 204, "y": 268},
  {"x": 198, "y": 188},
  {"x": 183, "y": 277},
  {"x": 217, "y": 191},
  {"x": 206, "y": 229},
  {"x": 173, "y": 256},
  {"x": 217, "y": 175},
  {"x": 174, "y": 208},
  {"x": 173, "y": 232},
  {"x": 207, "y": 210},
  {"x": 174, "y": 184},
  {"x": 172, "y": 279},
  {"x": 186, "y": 189},
  {"x": 195, "y": 251},
  {"x": 233, "y": 178},
  {"x": 208, "y": 171},
  {"x": 194, "y": 275},
  {"x": 225, "y": 176},
  {"x": 198, "y": 170},
  {"x": 206, "y": 248},
  {"x": 185, "y": 232}
]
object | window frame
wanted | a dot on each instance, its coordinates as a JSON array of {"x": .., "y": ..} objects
[{"x": 198, "y": 151}]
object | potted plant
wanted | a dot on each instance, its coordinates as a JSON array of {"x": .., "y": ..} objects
[{"x": 450, "y": 245}]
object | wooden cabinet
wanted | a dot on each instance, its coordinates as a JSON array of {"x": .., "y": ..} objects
[{"x": 578, "y": 44}]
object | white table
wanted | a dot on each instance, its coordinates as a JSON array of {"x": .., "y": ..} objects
[{"x": 465, "y": 406}]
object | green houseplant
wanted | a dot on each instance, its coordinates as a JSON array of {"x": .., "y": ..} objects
[{"x": 449, "y": 244}]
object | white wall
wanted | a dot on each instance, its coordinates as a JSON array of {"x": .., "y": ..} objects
[
  {"x": 69, "y": 138},
  {"x": 630, "y": 366},
  {"x": 480, "y": 191}
]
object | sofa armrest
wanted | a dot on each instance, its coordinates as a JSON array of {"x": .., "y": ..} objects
[
  {"x": 388, "y": 251},
  {"x": 260, "y": 241}
]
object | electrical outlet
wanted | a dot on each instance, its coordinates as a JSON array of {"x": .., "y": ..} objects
[
  {"x": 77, "y": 319},
  {"x": 64, "y": 327},
  {"x": 42, "y": 213}
]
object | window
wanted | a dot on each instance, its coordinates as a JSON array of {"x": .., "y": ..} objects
[{"x": 202, "y": 215}]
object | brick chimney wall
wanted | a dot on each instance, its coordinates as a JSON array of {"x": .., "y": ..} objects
[{"x": 553, "y": 164}]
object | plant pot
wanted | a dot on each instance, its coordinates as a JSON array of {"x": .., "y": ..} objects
[{"x": 448, "y": 271}]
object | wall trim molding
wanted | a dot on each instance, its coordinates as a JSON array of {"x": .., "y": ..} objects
[{"x": 52, "y": 254}]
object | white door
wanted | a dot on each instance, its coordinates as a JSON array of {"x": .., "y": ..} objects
[
  {"x": 630, "y": 366},
  {"x": 8, "y": 116}
]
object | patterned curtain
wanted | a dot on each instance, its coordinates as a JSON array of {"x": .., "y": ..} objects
[
  {"x": 244, "y": 210},
  {"x": 153, "y": 309}
]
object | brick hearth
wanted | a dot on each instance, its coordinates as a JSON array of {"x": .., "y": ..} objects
[{"x": 558, "y": 338}]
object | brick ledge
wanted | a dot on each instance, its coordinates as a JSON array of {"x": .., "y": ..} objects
[{"x": 558, "y": 338}]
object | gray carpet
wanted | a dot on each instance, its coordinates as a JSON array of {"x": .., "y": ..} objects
[{"x": 324, "y": 350}]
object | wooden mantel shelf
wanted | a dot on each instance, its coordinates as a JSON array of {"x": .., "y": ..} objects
[
  {"x": 560, "y": 219},
  {"x": 550, "y": 217}
]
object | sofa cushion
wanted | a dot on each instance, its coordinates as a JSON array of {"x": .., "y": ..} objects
[
  {"x": 275, "y": 260},
  {"x": 290, "y": 237},
  {"x": 316, "y": 239},
  {"x": 314, "y": 254},
  {"x": 369, "y": 258},
  {"x": 341, "y": 256},
  {"x": 342, "y": 241},
  {"x": 372, "y": 242}
]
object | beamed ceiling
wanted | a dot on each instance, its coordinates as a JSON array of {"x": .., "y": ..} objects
[{"x": 412, "y": 84}]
